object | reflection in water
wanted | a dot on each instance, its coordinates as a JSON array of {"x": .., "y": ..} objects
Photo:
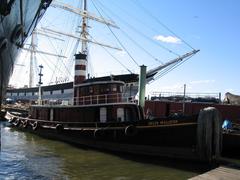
[{"x": 26, "y": 156}]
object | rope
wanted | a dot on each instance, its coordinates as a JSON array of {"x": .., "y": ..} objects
[
  {"x": 141, "y": 34},
  {"x": 131, "y": 39},
  {"x": 170, "y": 68},
  {"x": 116, "y": 37},
  {"x": 114, "y": 57},
  {"x": 137, "y": 3}
]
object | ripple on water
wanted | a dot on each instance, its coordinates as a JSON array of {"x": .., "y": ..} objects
[{"x": 26, "y": 156}]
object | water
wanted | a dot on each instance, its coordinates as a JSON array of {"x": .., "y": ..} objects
[{"x": 26, "y": 156}]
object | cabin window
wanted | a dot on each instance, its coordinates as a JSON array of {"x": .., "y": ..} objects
[
  {"x": 103, "y": 114},
  {"x": 81, "y": 91},
  {"x": 91, "y": 89},
  {"x": 102, "y": 90},
  {"x": 96, "y": 90},
  {"x": 120, "y": 115},
  {"x": 114, "y": 87}
]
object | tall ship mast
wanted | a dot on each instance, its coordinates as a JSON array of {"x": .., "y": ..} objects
[{"x": 81, "y": 66}]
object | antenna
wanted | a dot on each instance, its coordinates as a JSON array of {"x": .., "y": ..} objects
[{"x": 39, "y": 85}]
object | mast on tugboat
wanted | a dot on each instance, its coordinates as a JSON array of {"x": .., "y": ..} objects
[{"x": 39, "y": 86}]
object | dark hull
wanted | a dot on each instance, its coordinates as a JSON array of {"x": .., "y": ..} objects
[
  {"x": 16, "y": 25},
  {"x": 168, "y": 137},
  {"x": 231, "y": 144},
  {"x": 160, "y": 141}
]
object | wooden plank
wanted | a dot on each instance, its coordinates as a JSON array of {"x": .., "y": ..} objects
[{"x": 223, "y": 173}]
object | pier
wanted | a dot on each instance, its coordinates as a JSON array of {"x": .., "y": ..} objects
[{"x": 222, "y": 172}]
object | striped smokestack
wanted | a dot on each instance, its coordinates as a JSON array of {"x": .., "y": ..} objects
[{"x": 80, "y": 68}]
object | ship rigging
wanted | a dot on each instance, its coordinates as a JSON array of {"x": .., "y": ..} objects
[{"x": 85, "y": 37}]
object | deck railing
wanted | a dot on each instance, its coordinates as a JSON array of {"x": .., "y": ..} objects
[
  {"x": 102, "y": 99},
  {"x": 91, "y": 100},
  {"x": 179, "y": 96}
]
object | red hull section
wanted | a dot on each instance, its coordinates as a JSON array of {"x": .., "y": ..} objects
[{"x": 160, "y": 109}]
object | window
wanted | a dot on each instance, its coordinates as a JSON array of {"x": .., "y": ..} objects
[
  {"x": 91, "y": 89},
  {"x": 114, "y": 87}
]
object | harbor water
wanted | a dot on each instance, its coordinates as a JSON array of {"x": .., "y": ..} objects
[{"x": 27, "y": 156}]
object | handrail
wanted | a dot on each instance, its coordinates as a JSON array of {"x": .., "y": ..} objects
[{"x": 91, "y": 100}]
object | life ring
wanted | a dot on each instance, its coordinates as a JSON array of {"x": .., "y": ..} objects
[
  {"x": 131, "y": 130},
  {"x": 25, "y": 123},
  {"x": 35, "y": 125},
  {"x": 17, "y": 122},
  {"x": 3, "y": 44},
  {"x": 16, "y": 33},
  {"x": 12, "y": 119},
  {"x": 59, "y": 128}
]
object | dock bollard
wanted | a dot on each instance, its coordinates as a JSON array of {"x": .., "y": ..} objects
[{"x": 209, "y": 134}]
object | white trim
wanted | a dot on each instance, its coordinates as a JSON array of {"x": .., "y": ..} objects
[
  {"x": 80, "y": 62},
  {"x": 88, "y": 105},
  {"x": 100, "y": 82},
  {"x": 80, "y": 73}
]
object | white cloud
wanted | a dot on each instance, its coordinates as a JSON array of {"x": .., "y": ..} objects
[
  {"x": 202, "y": 81},
  {"x": 168, "y": 39}
]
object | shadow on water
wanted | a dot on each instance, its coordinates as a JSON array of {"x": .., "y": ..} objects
[{"x": 41, "y": 158}]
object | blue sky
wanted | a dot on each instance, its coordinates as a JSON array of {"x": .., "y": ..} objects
[{"x": 211, "y": 26}]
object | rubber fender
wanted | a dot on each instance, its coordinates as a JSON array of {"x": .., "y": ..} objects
[
  {"x": 209, "y": 134},
  {"x": 98, "y": 133},
  {"x": 16, "y": 33},
  {"x": 59, "y": 128},
  {"x": 35, "y": 125},
  {"x": 25, "y": 123},
  {"x": 12, "y": 119},
  {"x": 17, "y": 122},
  {"x": 131, "y": 130}
]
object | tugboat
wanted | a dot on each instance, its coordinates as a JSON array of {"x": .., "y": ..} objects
[
  {"x": 18, "y": 19},
  {"x": 101, "y": 117}
]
